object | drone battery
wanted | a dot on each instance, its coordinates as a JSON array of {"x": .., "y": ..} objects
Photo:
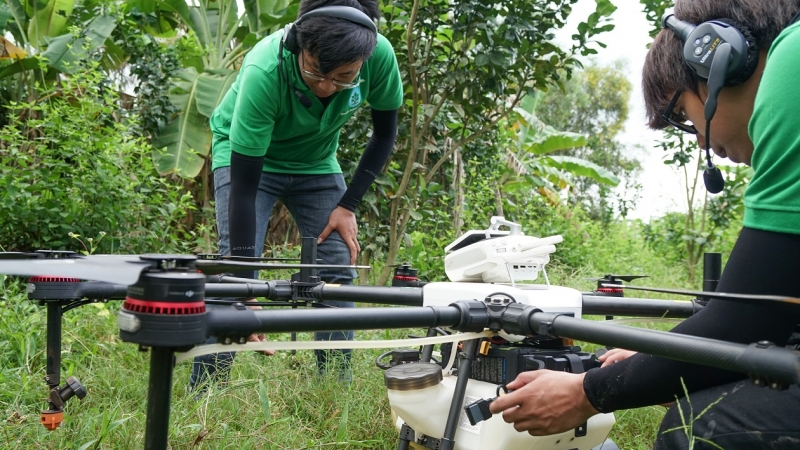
[{"x": 503, "y": 363}]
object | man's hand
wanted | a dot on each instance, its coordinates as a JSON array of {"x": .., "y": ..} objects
[
  {"x": 545, "y": 402},
  {"x": 615, "y": 355},
  {"x": 258, "y": 337},
  {"x": 344, "y": 222}
]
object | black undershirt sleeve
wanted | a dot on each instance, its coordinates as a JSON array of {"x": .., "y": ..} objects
[
  {"x": 761, "y": 262},
  {"x": 379, "y": 147},
  {"x": 245, "y": 176}
]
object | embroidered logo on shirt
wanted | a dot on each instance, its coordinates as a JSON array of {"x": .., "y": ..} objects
[{"x": 355, "y": 97}]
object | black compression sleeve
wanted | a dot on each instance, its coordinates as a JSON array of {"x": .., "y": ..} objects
[
  {"x": 245, "y": 176},
  {"x": 761, "y": 262},
  {"x": 379, "y": 147}
]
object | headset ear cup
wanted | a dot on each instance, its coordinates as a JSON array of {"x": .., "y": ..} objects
[
  {"x": 290, "y": 38},
  {"x": 751, "y": 62}
]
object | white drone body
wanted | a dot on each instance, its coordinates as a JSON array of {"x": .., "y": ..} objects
[
  {"x": 495, "y": 256},
  {"x": 484, "y": 265}
]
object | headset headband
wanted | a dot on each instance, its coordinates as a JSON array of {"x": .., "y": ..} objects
[{"x": 341, "y": 12}]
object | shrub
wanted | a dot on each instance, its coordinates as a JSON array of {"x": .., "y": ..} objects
[{"x": 67, "y": 164}]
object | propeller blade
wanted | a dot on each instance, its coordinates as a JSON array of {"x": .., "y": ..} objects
[
  {"x": 746, "y": 298},
  {"x": 627, "y": 278},
  {"x": 126, "y": 269},
  {"x": 215, "y": 267},
  {"x": 207, "y": 257},
  {"x": 116, "y": 269},
  {"x": 20, "y": 255}
]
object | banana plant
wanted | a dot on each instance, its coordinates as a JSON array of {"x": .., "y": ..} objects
[
  {"x": 531, "y": 163},
  {"x": 225, "y": 35},
  {"x": 43, "y": 28}
]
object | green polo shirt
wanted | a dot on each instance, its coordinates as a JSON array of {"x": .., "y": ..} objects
[
  {"x": 772, "y": 199},
  {"x": 261, "y": 116}
]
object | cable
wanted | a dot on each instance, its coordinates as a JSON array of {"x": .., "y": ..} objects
[
  {"x": 712, "y": 177},
  {"x": 327, "y": 345}
]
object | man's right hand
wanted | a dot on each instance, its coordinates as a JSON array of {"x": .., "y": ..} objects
[{"x": 615, "y": 355}]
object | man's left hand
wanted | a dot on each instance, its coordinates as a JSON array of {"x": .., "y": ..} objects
[
  {"x": 545, "y": 402},
  {"x": 344, "y": 222}
]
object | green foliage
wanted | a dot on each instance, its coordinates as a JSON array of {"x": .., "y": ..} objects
[
  {"x": 465, "y": 65},
  {"x": 67, "y": 166},
  {"x": 53, "y": 37},
  {"x": 64, "y": 32},
  {"x": 666, "y": 236},
  {"x": 151, "y": 63},
  {"x": 654, "y": 9},
  {"x": 709, "y": 221},
  {"x": 531, "y": 158},
  {"x": 425, "y": 252},
  {"x": 214, "y": 40},
  {"x": 594, "y": 103}
]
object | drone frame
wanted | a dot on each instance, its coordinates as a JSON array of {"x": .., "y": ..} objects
[{"x": 764, "y": 363}]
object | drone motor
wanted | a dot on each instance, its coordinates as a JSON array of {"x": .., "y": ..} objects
[{"x": 166, "y": 307}]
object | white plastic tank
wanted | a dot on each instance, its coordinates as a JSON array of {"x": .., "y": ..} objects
[{"x": 421, "y": 397}]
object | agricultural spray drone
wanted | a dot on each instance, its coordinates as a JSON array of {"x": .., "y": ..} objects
[{"x": 513, "y": 327}]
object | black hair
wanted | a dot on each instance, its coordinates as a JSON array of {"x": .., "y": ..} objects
[
  {"x": 665, "y": 71},
  {"x": 334, "y": 41}
]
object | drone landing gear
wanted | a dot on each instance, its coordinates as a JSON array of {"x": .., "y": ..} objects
[
  {"x": 55, "y": 293},
  {"x": 52, "y": 417},
  {"x": 159, "y": 392},
  {"x": 167, "y": 306}
]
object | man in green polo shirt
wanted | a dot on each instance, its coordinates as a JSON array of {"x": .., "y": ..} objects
[
  {"x": 276, "y": 133},
  {"x": 755, "y": 123}
]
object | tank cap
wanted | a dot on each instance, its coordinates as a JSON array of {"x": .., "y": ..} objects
[{"x": 412, "y": 376}]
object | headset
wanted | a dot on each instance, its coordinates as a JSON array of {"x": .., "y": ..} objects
[
  {"x": 289, "y": 40},
  {"x": 724, "y": 53}
]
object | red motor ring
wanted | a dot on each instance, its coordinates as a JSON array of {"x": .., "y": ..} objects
[{"x": 163, "y": 308}]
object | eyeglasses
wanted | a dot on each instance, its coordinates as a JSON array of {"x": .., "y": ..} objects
[
  {"x": 315, "y": 77},
  {"x": 679, "y": 122}
]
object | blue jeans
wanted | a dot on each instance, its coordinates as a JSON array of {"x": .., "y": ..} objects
[{"x": 310, "y": 199}]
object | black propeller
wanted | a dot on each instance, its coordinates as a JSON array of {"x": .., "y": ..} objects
[
  {"x": 20, "y": 255},
  {"x": 126, "y": 269},
  {"x": 612, "y": 278},
  {"x": 746, "y": 298},
  {"x": 38, "y": 254},
  {"x": 218, "y": 257}
]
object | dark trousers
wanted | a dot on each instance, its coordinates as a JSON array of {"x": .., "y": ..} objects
[{"x": 744, "y": 417}]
